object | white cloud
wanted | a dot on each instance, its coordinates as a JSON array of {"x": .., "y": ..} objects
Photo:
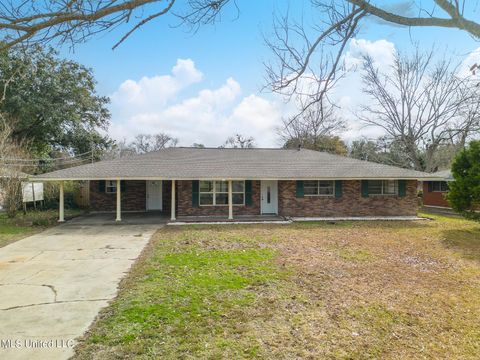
[
  {"x": 472, "y": 59},
  {"x": 160, "y": 104},
  {"x": 167, "y": 103},
  {"x": 382, "y": 52},
  {"x": 150, "y": 92},
  {"x": 348, "y": 94}
]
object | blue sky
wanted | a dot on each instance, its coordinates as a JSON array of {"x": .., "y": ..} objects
[{"x": 232, "y": 49}]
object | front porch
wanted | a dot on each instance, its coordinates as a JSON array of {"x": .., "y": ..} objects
[{"x": 239, "y": 219}]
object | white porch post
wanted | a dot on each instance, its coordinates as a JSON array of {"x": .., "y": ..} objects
[
  {"x": 172, "y": 217},
  {"x": 230, "y": 200},
  {"x": 61, "y": 204},
  {"x": 119, "y": 201}
]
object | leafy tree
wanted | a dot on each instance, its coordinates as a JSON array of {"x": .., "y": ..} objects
[
  {"x": 464, "y": 194},
  {"x": 330, "y": 144},
  {"x": 52, "y": 102}
]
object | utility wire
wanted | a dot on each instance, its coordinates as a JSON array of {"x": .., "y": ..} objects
[{"x": 49, "y": 159}]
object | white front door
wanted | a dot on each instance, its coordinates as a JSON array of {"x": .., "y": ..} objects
[
  {"x": 269, "y": 197},
  {"x": 154, "y": 195}
]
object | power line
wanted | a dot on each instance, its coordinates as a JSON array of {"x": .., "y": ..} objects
[{"x": 90, "y": 152}]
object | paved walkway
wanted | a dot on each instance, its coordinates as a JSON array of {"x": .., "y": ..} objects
[{"x": 53, "y": 284}]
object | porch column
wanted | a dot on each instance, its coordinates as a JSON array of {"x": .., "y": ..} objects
[
  {"x": 172, "y": 217},
  {"x": 230, "y": 200},
  {"x": 61, "y": 204},
  {"x": 119, "y": 201}
]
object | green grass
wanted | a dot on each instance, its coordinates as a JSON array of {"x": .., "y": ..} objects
[
  {"x": 185, "y": 298},
  {"x": 22, "y": 225},
  {"x": 351, "y": 290}
]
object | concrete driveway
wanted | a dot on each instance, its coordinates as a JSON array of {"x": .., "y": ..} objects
[{"x": 53, "y": 284}]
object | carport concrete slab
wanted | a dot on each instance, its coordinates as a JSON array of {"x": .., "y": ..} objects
[{"x": 53, "y": 284}]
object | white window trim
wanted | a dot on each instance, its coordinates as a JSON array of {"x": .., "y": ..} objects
[
  {"x": 318, "y": 189},
  {"x": 383, "y": 189},
  {"x": 107, "y": 186},
  {"x": 214, "y": 192}
]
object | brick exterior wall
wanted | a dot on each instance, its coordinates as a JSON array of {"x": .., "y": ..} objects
[
  {"x": 434, "y": 198},
  {"x": 133, "y": 198},
  {"x": 184, "y": 191},
  {"x": 350, "y": 204}
]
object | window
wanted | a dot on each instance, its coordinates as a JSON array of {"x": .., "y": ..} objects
[
  {"x": 215, "y": 193},
  {"x": 383, "y": 187},
  {"x": 111, "y": 186},
  {"x": 439, "y": 186},
  {"x": 319, "y": 187}
]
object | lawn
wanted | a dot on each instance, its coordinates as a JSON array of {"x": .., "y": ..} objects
[
  {"x": 352, "y": 290},
  {"x": 27, "y": 224}
]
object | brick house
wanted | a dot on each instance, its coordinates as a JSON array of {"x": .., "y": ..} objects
[
  {"x": 434, "y": 192},
  {"x": 196, "y": 182}
]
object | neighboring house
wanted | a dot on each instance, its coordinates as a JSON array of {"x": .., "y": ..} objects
[
  {"x": 229, "y": 182},
  {"x": 434, "y": 192}
]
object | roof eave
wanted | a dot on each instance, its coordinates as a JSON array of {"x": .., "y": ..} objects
[{"x": 420, "y": 178}]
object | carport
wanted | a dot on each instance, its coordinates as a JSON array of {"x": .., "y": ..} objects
[{"x": 118, "y": 207}]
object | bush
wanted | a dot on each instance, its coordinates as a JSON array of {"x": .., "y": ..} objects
[
  {"x": 464, "y": 194},
  {"x": 51, "y": 194}
]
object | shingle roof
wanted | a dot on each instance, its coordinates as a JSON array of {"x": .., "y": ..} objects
[
  {"x": 445, "y": 175},
  {"x": 215, "y": 163}
]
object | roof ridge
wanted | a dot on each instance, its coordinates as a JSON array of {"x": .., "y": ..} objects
[{"x": 225, "y": 148}]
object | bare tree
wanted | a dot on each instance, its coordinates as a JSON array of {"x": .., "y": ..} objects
[
  {"x": 144, "y": 143},
  {"x": 77, "y": 20},
  {"x": 312, "y": 53},
  {"x": 311, "y": 128},
  {"x": 306, "y": 68},
  {"x": 420, "y": 105},
  {"x": 239, "y": 141},
  {"x": 11, "y": 171},
  {"x": 74, "y": 21}
]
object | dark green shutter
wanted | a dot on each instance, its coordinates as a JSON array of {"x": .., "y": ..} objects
[
  {"x": 248, "y": 192},
  {"x": 300, "y": 192},
  {"x": 364, "y": 188},
  {"x": 430, "y": 186},
  {"x": 123, "y": 185},
  {"x": 101, "y": 185},
  {"x": 195, "y": 192},
  {"x": 402, "y": 188},
  {"x": 338, "y": 188}
]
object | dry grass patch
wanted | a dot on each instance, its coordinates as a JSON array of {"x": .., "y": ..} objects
[{"x": 307, "y": 290}]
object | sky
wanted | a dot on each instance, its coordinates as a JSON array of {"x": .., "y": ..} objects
[{"x": 205, "y": 86}]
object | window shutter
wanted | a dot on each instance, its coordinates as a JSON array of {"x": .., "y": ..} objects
[
  {"x": 101, "y": 185},
  {"x": 300, "y": 191},
  {"x": 430, "y": 186},
  {"x": 123, "y": 186},
  {"x": 195, "y": 192},
  {"x": 365, "y": 188},
  {"x": 248, "y": 192},
  {"x": 338, "y": 188},
  {"x": 402, "y": 188}
]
